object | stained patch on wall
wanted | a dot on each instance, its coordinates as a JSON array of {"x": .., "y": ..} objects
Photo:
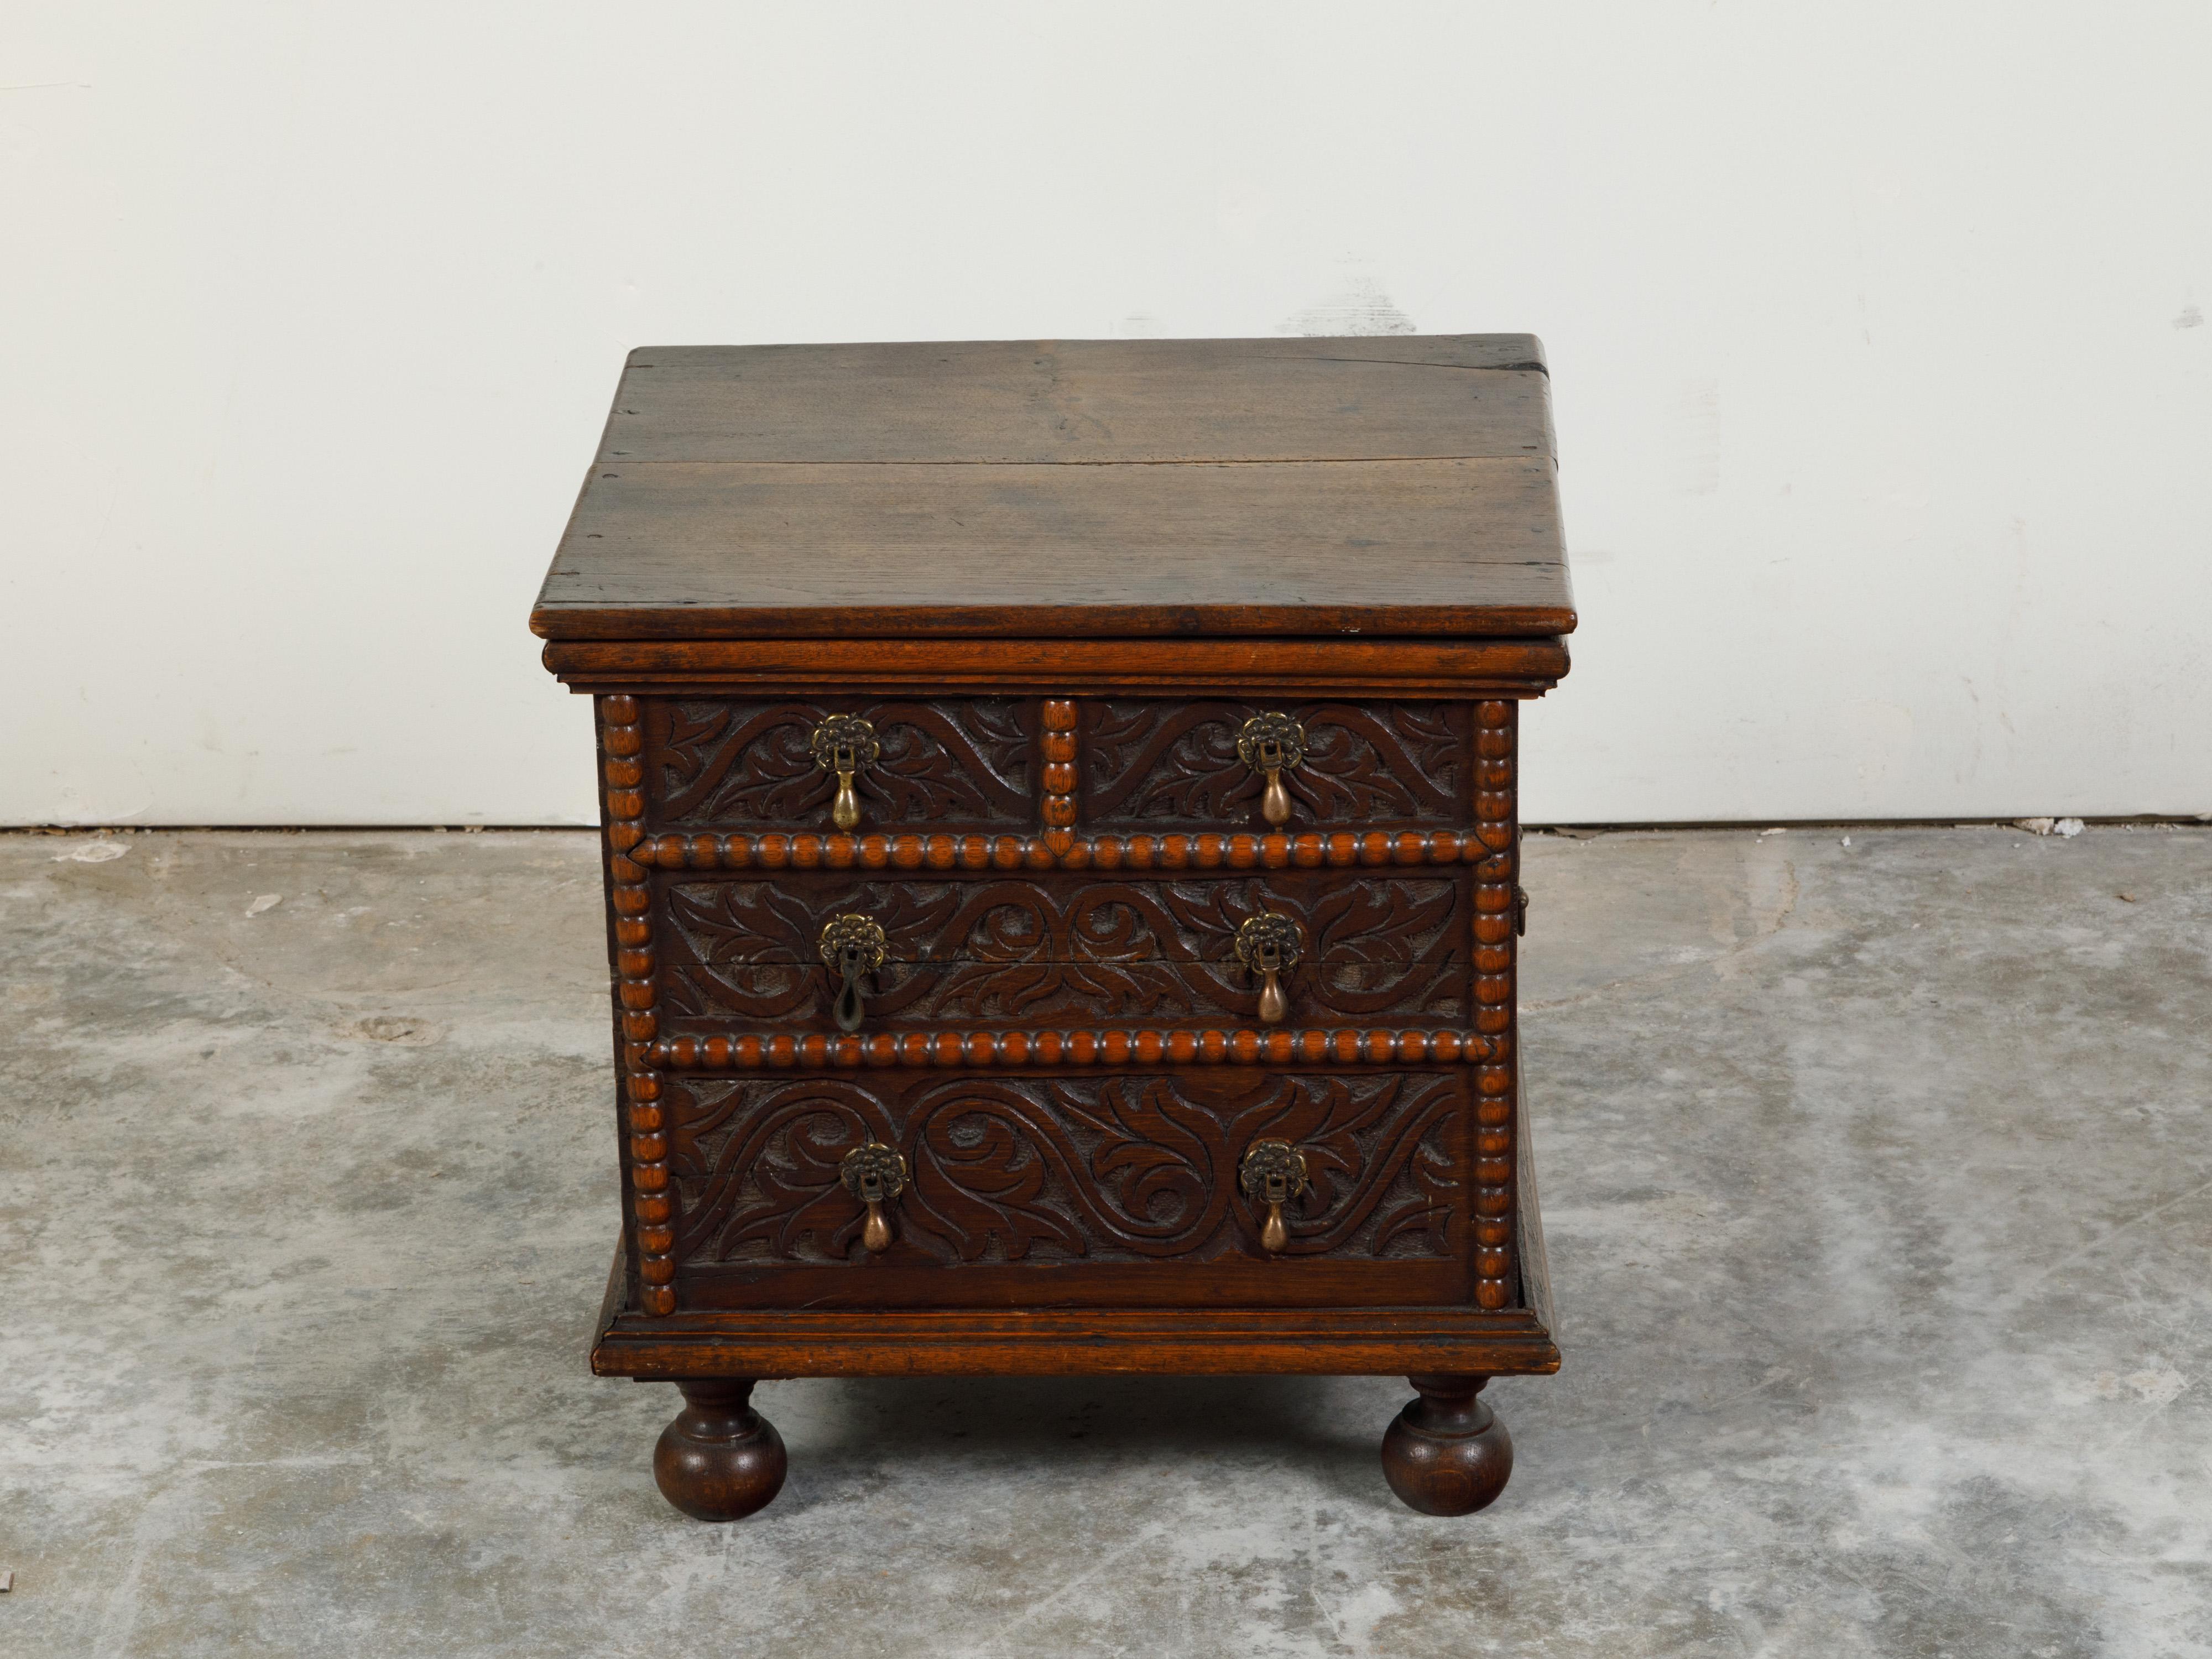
[
  {"x": 1698, "y": 438},
  {"x": 1356, "y": 305}
]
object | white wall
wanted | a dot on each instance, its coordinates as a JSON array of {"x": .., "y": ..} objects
[{"x": 1884, "y": 393}]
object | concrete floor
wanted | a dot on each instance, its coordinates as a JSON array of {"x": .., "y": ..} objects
[{"x": 1879, "y": 1184}]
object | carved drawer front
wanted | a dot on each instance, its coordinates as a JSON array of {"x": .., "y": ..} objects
[
  {"x": 738, "y": 953},
  {"x": 946, "y": 764},
  {"x": 1053, "y": 1188},
  {"x": 1150, "y": 763}
]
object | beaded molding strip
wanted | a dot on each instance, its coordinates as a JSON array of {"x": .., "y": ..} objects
[
  {"x": 1495, "y": 924},
  {"x": 749, "y": 1051},
  {"x": 1058, "y": 808},
  {"x": 629, "y": 893},
  {"x": 1203, "y": 851}
]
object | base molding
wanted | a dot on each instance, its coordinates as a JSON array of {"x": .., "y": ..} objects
[{"x": 1074, "y": 1342}]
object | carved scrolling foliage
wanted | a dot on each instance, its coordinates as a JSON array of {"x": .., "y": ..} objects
[
  {"x": 1104, "y": 1169},
  {"x": 1156, "y": 761},
  {"x": 1020, "y": 948},
  {"x": 956, "y": 761}
]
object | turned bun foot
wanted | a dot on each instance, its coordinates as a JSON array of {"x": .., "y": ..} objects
[
  {"x": 1447, "y": 1452},
  {"x": 719, "y": 1460}
]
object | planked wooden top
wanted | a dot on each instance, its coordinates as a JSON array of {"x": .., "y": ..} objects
[{"x": 1376, "y": 485}]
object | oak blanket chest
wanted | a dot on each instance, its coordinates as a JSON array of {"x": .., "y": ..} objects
[{"x": 1061, "y": 860}]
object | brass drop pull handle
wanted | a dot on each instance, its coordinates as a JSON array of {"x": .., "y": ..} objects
[
  {"x": 1267, "y": 944},
  {"x": 852, "y": 947},
  {"x": 875, "y": 1174},
  {"x": 1271, "y": 745},
  {"x": 843, "y": 743},
  {"x": 1273, "y": 1173}
]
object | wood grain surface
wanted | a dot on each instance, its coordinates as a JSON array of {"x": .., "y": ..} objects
[
  {"x": 1102, "y": 489},
  {"x": 1044, "y": 401},
  {"x": 713, "y": 550}
]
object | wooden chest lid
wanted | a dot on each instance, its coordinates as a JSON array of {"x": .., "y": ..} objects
[{"x": 1387, "y": 485}]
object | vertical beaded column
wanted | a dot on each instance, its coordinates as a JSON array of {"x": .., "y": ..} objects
[
  {"x": 622, "y": 743},
  {"x": 1058, "y": 747},
  {"x": 1494, "y": 914}
]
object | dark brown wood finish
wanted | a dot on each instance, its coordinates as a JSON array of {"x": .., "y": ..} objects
[
  {"x": 1016, "y": 1178},
  {"x": 1387, "y": 765},
  {"x": 1435, "y": 398},
  {"x": 1072, "y": 1342},
  {"x": 947, "y": 764},
  {"x": 1061, "y": 1069},
  {"x": 664, "y": 550},
  {"x": 1447, "y": 1452},
  {"x": 1281, "y": 668},
  {"x": 1090, "y": 488},
  {"x": 719, "y": 1460},
  {"x": 1068, "y": 947}
]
